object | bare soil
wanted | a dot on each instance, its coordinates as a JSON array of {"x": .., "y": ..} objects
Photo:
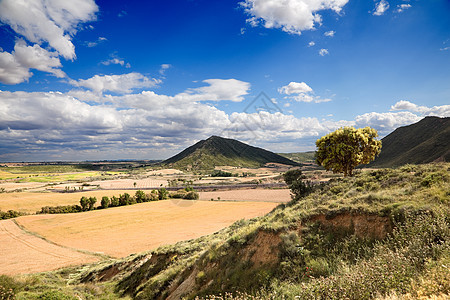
[
  {"x": 262, "y": 195},
  {"x": 125, "y": 230},
  {"x": 23, "y": 253}
]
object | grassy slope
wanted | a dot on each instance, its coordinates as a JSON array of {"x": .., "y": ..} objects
[
  {"x": 300, "y": 157},
  {"x": 422, "y": 142},
  {"x": 310, "y": 260},
  {"x": 217, "y": 151}
]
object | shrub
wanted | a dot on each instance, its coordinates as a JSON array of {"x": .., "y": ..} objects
[
  {"x": 66, "y": 209},
  {"x": 10, "y": 214},
  {"x": 105, "y": 202},
  {"x": 220, "y": 173},
  {"x": 163, "y": 194},
  {"x": 114, "y": 201},
  {"x": 191, "y": 196}
]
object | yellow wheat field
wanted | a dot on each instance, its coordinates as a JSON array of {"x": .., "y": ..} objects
[{"x": 121, "y": 231}]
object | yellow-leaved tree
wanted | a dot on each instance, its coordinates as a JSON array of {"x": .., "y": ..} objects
[{"x": 344, "y": 149}]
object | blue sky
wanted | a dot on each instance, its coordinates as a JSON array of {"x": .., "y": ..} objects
[{"x": 91, "y": 80}]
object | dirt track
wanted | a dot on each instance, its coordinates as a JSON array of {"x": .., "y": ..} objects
[{"x": 23, "y": 253}]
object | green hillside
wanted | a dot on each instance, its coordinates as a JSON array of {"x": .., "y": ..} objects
[
  {"x": 381, "y": 233},
  {"x": 218, "y": 151},
  {"x": 425, "y": 141},
  {"x": 300, "y": 157}
]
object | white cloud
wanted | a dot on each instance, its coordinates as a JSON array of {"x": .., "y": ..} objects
[
  {"x": 301, "y": 92},
  {"x": 403, "y": 7},
  {"x": 292, "y": 16},
  {"x": 310, "y": 44},
  {"x": 50, "y": 21},
  {"x": 330, "y": 33},
  {"x": 323, "y": 52},
  {"x": 124, "y": 83},
  {"x": 386, "y": 122},
  {"x": 438, "y": 111},
  {"x": 14, "y": 67},
  {"x": 98, "y": 41},
  {"x": 116, "y": 61},
  {"x": 164, "y": 68},
  {"x": 381, "y": 7},
  {"x": 218, "y": 90}
]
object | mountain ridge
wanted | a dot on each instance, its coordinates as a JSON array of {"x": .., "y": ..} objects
[
  {"x": 423, "y": 142},
  {"x": 219, "y": 151}
]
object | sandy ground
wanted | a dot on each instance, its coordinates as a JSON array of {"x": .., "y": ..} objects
[
  {"x": 121, "y": 231},
  {"x": 23, "y": 253},
  {"x": 265, "y": 195},
  {"x": 30, "y": 202},
  {"x": 129, "y": 183},
  {"x": 11, "y": 186}
]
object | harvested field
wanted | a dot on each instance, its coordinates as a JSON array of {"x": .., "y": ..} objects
[
  {"x": 121, "y": 231},
  {"x": 263, "y": 195},
  {"x": 129, "y": 183},
  {"x": 30, "y": 202},
  {"x": 23, "y": 253}
]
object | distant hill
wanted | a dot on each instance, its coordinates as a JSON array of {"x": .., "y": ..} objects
[
  {"x": 425, "y": 141},
  {"x": 218, "y": 151},
  {"x": 300, "y": 157}
]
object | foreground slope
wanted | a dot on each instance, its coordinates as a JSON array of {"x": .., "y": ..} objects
[
  {"x": 218, "y": 151},
  {"x": 425, "y": 141},
  {"x": 381, "y": 233}
]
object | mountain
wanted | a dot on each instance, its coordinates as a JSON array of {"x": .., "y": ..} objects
[
  {"x": 301, "y": 157},
  {"x": 218, "y": 151},
  {"x": 425, "y": 141}
]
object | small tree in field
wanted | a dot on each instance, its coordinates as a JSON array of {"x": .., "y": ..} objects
[
  {"x": 105, "y": 202},
  {"x": 84, "y": 202},
  {"x": 344, "y": 149},
  {"x": 91, "y": 202}
]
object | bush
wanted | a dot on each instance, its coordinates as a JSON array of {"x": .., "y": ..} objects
[
  {"x": 220, "y": 173},
  {"x": 66, "y": 209},
  {"x": 10, "y": 214},
  {"x": 114, "y": 201},
  {"x": 163, "y": 194},
  {"x": 105, "y": 202},
  {"x": 191, "y": 196}
]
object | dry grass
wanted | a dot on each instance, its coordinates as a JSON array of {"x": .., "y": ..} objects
[
  {"x": 263, "y": 195},
  {"x": 124, "y": 230},
  {"x": 30, "y": 202},
  {"x": 24, "y": 253}
]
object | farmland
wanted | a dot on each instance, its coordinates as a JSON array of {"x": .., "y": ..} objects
[{"x": 27, "y": 243}]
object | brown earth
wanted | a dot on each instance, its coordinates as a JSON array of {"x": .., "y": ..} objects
[
  {"x": 23, "y": 253},
  {"x": 263, "y": 195},
  {"x": 121, "y": 231}
]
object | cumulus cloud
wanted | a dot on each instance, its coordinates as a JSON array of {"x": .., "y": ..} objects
[
  {"x": 124, "y": 83},
  {"x": 402, "y": 7},
  {"x": 218, "y": 90},
  {"x": 300, "y": 92},
  {"x": 439, "y": 111},
  {"x": 14, "y": 67},
  {"x": 116, "y": 61},
  {"x": 330, "y": 33},
  {"x": 50, "y": 21},
  {"x": 310, "y": 44},
  {"x": 380, "y": 8},
  {"x": 292, "y": 16},
  {"x": 323, "y": 52},
  {"x": 98, "y": 41}
]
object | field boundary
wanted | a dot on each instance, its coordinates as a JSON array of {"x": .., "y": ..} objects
[{"x": 35, "y": 234}]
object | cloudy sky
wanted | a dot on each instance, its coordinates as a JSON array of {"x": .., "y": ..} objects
[{"x": 94, "y": 80}]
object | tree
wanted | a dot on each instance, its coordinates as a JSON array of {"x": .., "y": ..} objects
[
  {"x": 124, "y": 199},
  {"x": 295, "y": 180},
  {"x": 105, "y": 202},
  {"x": 114, "y": 201},
  {"x": 163, "y": 194},
  {"x": 140, "y": 196},
  {"x": 344, "y": 149},
  {"x": 84, "y": 203},
  {"x": 91, "y": 202}
]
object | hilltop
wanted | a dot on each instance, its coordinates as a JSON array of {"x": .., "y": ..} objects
[
  {"x": 219, "y": 151},
  {"x": 425, "y": 141}
]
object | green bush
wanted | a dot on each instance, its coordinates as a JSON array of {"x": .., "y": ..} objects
[
  {"x": 55, "y": 295},
  {"x": 191, "y": 196},
  {"x": 66, "y": 209}
]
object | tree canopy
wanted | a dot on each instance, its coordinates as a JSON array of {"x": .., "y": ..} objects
[{"x": 344, "y": 149}]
